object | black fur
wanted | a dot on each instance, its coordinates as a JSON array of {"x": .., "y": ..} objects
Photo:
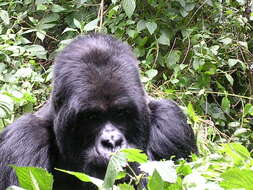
[{"x": 98, "y": 105}]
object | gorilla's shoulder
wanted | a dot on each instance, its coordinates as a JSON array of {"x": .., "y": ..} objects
[{"x": 170, "y": 133}]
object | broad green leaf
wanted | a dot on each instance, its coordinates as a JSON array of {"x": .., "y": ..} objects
[
  {"x": 242, "y": 2},
  {"x": 141, "y": 25},
  {"x": 195, "y": 181},
  {"x": 198, "y": 63},
  {"x": 50, "y": 18},
  {"x": 166, "y": 169},
  {"x": 36, "y": 51},
  {"x": 6, "y": 106},
  {"x": 129, "y": 7},
  {"x": 116, "y": 164},
  {"x": 191, "y": 113},
  {"x": 189, "y": 7},
  {"x": 234, "y": 124},
  {"x": 92, "y": 25},
  {"x": 135, "y": 155},
  {"x": 151, "y": 73},
  {"x": 57, "y": 8},
  {"x": 183, "y": 12},
  {"x": 34, "y": 178},
  {"x": 225, "y": 104},
  {"x": 174, "y": 57},
  {"x": 236, "y": 151},
  {"x": 236, "y": 178},
  {"x": 132, "y": 33},
  {"x": 243, "y": 44},
  {"x": 226, "y": 41},
  {"x": 69, "y": 29},
  {"x": 214, "y": 49},
  {"x": 15, "y": 188},
  {"x": 229, "y": 78},
  {"x": 77, "y": 23},
  {"x": 151, "y": 26},
  {"x": 248, "y": 109},
  {"x": 232, "y": 62},
  {"x": 164, "y": 39},
  {"x": 126, "y": 186},
  {"x": 35, "y": 183},
  {"x": 41, "y": 35},
  {"x": 241, "y": 131},
  {"x": 83, "y": 177},
  {"x": 24, "y": 72},
  {"x": 155, "y": 182},
  {"x": 5, "y": 17}
]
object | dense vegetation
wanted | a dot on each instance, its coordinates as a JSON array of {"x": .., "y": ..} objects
[{"x": 197, "y": 52}]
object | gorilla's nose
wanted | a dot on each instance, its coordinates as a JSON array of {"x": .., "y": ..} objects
[{"x": 112, "y": 141}]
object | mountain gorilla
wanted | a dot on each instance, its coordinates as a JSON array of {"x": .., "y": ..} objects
[{"x": 98, "y": 106}]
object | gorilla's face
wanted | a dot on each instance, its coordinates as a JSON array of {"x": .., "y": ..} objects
[{"x": 99, "y": 103}]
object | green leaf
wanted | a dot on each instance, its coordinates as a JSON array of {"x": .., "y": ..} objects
[
  {"x": 164, "y": 39},
  {"x": 125, "y": 186},
  {"x": 236, "y": 178},
  {"x": 234, "y": 124},
  {"x": 166, "y": 169},
  {"x": 36, "y": 51},
  {"x": 151, "y": 26},
  {"x": 92, "y": 25},
  {"x": 34, "y": 178},
  {"x": 129, "y": 7},
  {"x": 69, "y": 29},
  {"x": 229, "y": 78},
  {"x": 24, "y": 72},
  {"x": 248, "y": 109},
  {"x": 50, "y": 18},
  {"x": 198, "y": 63},
  {"x": 5, "y": 17},
  {"x": 141, "y": 25},
  {"x": 174, "y": 57},
  {"x": 191, "y": 113},
  {"x": 6, "y": 106},
  {"x": 237, "y": 152},
  {"x": 226, "y": 41},
  {"x": 35, "y": 183},
  {"x": 83, "y": 177},
  {"x": 243, "y": 44},
  {"x": 225, "y": 104},
  {"x": 232, "y": 62},
  {"x": 15, "y": 188},
  {"x": 77, "y": 23},
  {"x": 151, "y": 73},
  {"x": 155, "y": 182},
  {"x": 41, "y": 35},
  {"x": 189, "y": 7},
  {"x": 115, "y": 166},
  {"x": 57, "y": 8},
  {"x": 135, "y": 155}
]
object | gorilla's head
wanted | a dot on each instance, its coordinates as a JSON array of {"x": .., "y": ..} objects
[{"x": 99, "y": 102}]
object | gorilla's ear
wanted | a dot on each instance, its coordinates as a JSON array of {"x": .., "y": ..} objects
[{"x": 170, "y": 135}]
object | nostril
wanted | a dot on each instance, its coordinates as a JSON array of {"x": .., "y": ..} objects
[{"x": 107, "y": 144}]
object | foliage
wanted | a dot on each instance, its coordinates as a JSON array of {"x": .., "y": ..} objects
[
  {"x": 196, "y": 52},
  {"x": 228, "y": 168}
]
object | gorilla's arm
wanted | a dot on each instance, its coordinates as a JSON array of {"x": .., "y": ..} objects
[
  {"x": 26, "y": 142},
  {"x": 170, "y": 134}
]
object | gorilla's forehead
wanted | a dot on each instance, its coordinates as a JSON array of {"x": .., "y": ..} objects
[{"x": 98, "y": 70}]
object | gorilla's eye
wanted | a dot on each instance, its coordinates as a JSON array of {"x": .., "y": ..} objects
[
  {"x": 121, "y": 113},
  {"x": 89, "y": 116},
  {"x": 92, "y": 116}
]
